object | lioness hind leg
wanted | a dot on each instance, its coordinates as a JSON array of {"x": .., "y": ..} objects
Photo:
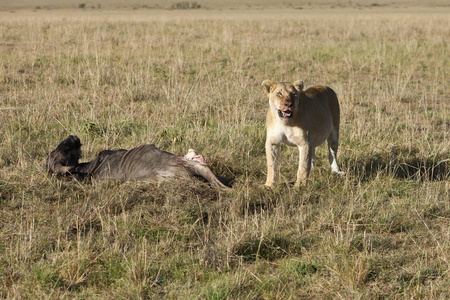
[{"x": 333, "y": 142}]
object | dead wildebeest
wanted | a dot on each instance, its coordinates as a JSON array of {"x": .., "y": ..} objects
[{"x": 146, "y": 163}]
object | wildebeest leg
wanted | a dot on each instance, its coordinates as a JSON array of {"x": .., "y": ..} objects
[
  {"x": 225, "y": 180},
  {"x": 205, "y": 172},
  {"x": 60, "y": 169}
]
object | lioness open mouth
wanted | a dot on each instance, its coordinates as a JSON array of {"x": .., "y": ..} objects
[{"x": 285, "y": 114}]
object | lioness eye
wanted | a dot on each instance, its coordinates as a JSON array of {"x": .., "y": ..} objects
[{"x": 279, "y": 94}]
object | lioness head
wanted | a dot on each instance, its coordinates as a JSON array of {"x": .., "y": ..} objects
[{"x": 283, "y": 97}]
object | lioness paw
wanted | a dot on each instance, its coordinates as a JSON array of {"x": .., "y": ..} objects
[
  {"x": 340, "y": 173},
  {"x": 268, "y": 186}
]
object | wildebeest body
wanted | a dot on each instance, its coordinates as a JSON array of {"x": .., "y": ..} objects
[
  {"x": 139, "y": 163},
  {"x": 145, "y": 162}
]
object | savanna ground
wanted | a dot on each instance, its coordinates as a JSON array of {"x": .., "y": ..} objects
[{"x": 182, "y": 79}]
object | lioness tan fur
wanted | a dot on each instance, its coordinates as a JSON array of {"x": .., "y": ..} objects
[{"x": 301, "y": 118}]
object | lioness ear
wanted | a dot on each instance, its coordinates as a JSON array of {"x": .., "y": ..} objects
[
  {"x": 298, "y": 85},
  {"x": 268, "y": 85}
]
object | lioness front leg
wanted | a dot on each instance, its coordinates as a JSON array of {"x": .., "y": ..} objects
[
  {"x": 304, "y": 164},
  {"x": 272, "y": 155}
]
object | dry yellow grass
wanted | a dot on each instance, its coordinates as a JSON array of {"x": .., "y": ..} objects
[
  {"x": 11, "y": 5},
  {"x": 192, "y": 79}
]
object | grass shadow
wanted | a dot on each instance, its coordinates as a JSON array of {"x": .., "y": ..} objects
[{"x": 412, "y": 168}]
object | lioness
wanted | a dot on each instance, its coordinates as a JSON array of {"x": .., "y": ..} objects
[
  {"x": 145, "y": 162},
  {"x": 302, "y": 118}
]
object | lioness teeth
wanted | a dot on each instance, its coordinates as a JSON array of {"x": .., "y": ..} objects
[{"x": 285, "y": 114}]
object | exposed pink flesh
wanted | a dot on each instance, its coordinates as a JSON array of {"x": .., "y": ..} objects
[{"x": 193, "y": 155}]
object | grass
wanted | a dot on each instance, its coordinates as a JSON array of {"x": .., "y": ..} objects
[
  {"x": 193, "y": 80},
  {"x": 210, "y": 4}
]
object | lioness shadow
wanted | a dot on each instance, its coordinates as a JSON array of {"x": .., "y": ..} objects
[{"x": 413, "y": 168}]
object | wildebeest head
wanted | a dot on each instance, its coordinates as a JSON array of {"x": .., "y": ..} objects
[{"x": 65, "y": 156}]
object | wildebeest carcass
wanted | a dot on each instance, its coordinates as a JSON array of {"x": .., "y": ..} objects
[{"x": 146, "y": 163}]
